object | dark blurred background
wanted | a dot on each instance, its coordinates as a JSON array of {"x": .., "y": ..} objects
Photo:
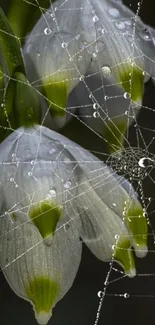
[{"x": 79, "y": 306}]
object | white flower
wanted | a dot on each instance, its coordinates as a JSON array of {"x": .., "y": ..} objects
[
  {"x": 52, "y": 193},
  {"x": 40, "y": 249},
  {"x": 105, "y": 41}
]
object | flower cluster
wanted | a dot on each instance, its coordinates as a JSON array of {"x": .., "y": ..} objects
[{"x": 55, "y": 195}]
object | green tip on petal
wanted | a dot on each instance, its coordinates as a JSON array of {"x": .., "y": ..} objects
[
  {"x": 114, "y": 132},
  {"x": 42, "y": 292},
  {"x": 56, "y": 94},
  {"x": 137, "y": 224},
  {"x": 132, "y": 79},
  {"x": 45, "y": 216},
  {"x": 124, "y": 257},
  {"x": 27, "y": 105}
]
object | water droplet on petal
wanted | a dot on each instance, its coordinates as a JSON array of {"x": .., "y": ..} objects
[
  {"x": 145, "y": 35},
  {"x": 120, "y": 24},
  {"x": 114, "y": 12},
  {"x": 128, "y": 22}
]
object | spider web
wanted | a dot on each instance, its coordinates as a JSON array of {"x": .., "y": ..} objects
[{"x": 135, "y": 159}]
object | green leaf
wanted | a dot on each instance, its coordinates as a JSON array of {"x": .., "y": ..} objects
[
  {"x": 20, "y": 12},
  {"x": 10, "y": 54},
  {"x": 7, "y": 117}
]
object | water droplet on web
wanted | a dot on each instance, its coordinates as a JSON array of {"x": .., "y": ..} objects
[
  {"x": 127, "y": 95},
  {"x": 32, "y": 162},
  {"x": 106, "y": 71},
  {"x": 120, "y": 24},
  {"x": 64, "y": 45},
  {"x": 11, "y": 179},
  {"x": 67, "y": 184},
  {"x": 100, "y": 294},
  {"x": 96, "y": 114},
  {"x": 114, "y": 12},
  {"x": 29, "y": 173},
  {"x": 106, "y": 97},
  {"x": 126, "y": 295},
  {"x": 103, "y": 31},
  {"x": 91, "y": 95},
  {"x": 66, "y": 226},
  {"x": 52, "y": 193},
  {"x": 96, "y": 106},
  {"x": 95, "y": 19},
  {"x": 47, "y": 31}
]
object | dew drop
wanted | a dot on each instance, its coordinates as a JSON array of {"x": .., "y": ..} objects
[
  {"x": 64, "y": 45},
  {"x": 66, "y": 226},
  {"x": 127, "y": 95},
  {"x": 106, "y": 97},
  {"x": 67, "y": 184},
  {"x": 47, "y": 31},
  {"x": 145, "y": 35},
  {"x": 100, "y": 294},
  {"x": 29, "y": 173},
  {"x": 96, "y": 114},
  {"x": 96, "y": 106},
  {"x": 52, "y": 192},
  {"x": 128, "y": 22},
  {"x": 126, "y": 295},
  {"x": 120, "y": 24},
  {"x": 11, "y": 179},
  {"x": 95, "y": 19},
  {"x": 114, "y": 12},
  {"x": 106, "y": 71}
]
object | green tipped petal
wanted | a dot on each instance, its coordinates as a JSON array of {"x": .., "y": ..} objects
[
  {"x": 123, "y": 256},
  {"x": 137, "y": 224},
  {"x": 56, "y": 94},
  {"x": 45, "y": 216},
  {"x": 42, "y": 292},
  {"x": 27, "y": 106},
  {"x": 114, "y": 133},
  {"x": 132, "y": 79}
]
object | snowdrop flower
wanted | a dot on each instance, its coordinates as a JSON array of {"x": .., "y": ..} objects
[
  {"x": 48, "y": 180},
  {"x": 40, "y": 249},
  {"x": 103, "y": 40}
]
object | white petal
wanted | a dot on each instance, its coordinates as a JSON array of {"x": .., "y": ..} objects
[{"x": 37, "y": 273}]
